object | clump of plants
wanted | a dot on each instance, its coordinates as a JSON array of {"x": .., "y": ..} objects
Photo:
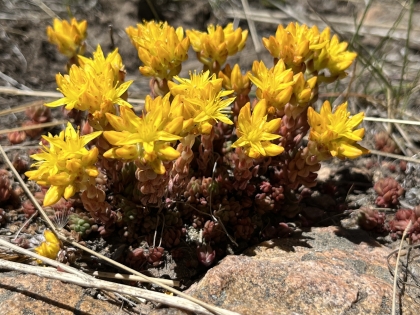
[{"x": 205, "y": 162}]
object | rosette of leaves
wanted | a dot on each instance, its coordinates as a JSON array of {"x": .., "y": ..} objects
[{"x": 82, "y": 224}]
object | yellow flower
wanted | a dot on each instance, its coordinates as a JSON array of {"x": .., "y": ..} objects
[
  {"x": 303, "y": 89},
  {"x": 334, "y": 132},
  {"x": 196, "y": 84},
  {"x": 255, "y": 132},
  {"x": 68, "y": 37},
  {"x": 294, "y": 44},
  {"x": 201, "y": 98},
  {"x": 333, "y": 56},
  {"x": 217, "y": 44},
  {"x": 160, "y": 47},
  {"x": 234, "y": 80},
  {"x": 87, "y": 89},
  {"x": 49, "y": 247},
  {"x": 145, "y": 139},
  {"x": 99, "y": 62},
  {"x": 66, "y": 166},
  {"x": 275, "y": 85},
  {"x": 209, "y": 108}
]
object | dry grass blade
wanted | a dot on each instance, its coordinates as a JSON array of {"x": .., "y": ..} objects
[
  {"x": 395, "y": 156},
  {"x": 45, "y": 259},
  {"x": 396, "y": 268},
  {"x": 62, "y": 237},
  {"x": 14, "y": 91},
  {"x": 46, "y": 9},
  {"x": 395, "y": 121},
  {"x": 252, "y": 28},
  {"x": 21, "y": 108},
  {"x": 38, "y": 126},
  {"x": 107, "y": 286},
  {"x": 119, "y": 276},
  {"x": 13, "y": 82}
]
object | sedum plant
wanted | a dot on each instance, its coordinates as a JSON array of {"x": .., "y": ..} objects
[{"x": 201, "y": 144}]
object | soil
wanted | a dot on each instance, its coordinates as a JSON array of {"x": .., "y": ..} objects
[{"x": 29, "y": 61}]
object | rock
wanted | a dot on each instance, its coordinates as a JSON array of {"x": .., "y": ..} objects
[
  {"x": 327, "y": 271},
  {"x": 30, "y": 294}
]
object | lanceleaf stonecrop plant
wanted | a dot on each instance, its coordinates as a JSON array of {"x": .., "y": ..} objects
[{"x": 158, "y": 165}]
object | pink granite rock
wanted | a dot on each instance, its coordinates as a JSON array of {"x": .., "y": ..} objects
[
  {"x": 327, "y": 271},
  {"x": 30, "y": 294}
]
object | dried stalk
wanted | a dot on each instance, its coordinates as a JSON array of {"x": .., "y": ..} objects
[
  {"x": 21, "y": 108},
  {"x": 38, "y": 126},
  {"x": 125, "y": 277},
  {"x": 14, "y": 91},
  {"x": 395, "y": 121},
  {"x": 46, "y": 260},
  {"x": 395, "y": 156},
  {"x": 394, "y": 291},
  {"x": 107, "y": 286}
]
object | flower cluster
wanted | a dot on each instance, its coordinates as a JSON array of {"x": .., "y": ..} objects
[
  {"x": 334, "y": 132},
  {"x": 145, "y": 139},
  {"x": 201, "y": 99},
  {"x": 301, "y": 47},
  {"x": 214, "y": 46},
  {"x": 275, "y": 85},
  {"x": 66, "y": 166},
  {"x": 99, "y": 63},
  {"x": 68, "y": 37},
  {"x": 160, "y": 47},
  {"x": 255, "y": 132},
  {"x": 92, "y": 87},
  {"x": 294, "y": 44}
]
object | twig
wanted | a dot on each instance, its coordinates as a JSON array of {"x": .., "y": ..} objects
[
  {"x": 394, "y": 290},
  {"x": 64, "y": 238},
  {"x": 107, "y": 286},
  {"x": 111, "y": 36}
]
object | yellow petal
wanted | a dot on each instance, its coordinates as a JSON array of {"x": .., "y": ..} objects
[
  {"x": 69, "y": 191},
  {"x": 175, "y": 126},
  {"x": 50, "y": 237},
  {"x": 169, "y": 153},
  {"x": 53, "y": 195},
  {"x": 259, "y": 111},
  {"x": 114, "y": 137},
  {"x": 157, "y": 166},
  {"x": 272, "y": 149}
]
